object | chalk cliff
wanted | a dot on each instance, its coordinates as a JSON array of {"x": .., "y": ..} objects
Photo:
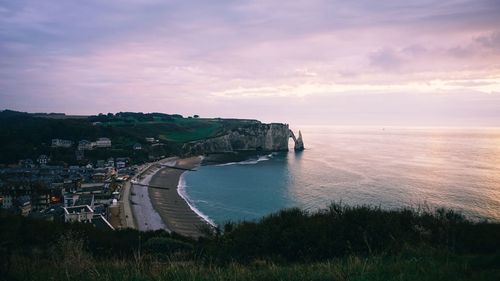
[
  {"x": 257, "y": 137},
  {"x": 299, "y": 143}
]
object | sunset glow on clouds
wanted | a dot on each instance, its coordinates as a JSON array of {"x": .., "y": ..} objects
[{"x": 341, "y": 62}]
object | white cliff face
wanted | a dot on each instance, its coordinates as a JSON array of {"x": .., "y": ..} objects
[
  {"x": 258, "y": 137},
  {"x": 277, "y": 137}
]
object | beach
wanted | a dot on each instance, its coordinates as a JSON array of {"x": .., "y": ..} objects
[
  {"x": 145, "y": 216},
  {"x": 160, "y": 206}
]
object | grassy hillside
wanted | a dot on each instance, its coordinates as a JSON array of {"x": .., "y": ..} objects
[
  {"x": 24, "y": 135},
  {"x": 417, "y": 266},
  {"x": 340, "y": 243}
]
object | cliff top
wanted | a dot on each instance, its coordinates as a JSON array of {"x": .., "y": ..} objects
[{"x": 28, "y": 135}]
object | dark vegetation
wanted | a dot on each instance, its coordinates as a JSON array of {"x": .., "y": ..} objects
[
  {"x": 27, "y": 136},
  {"x": 339, "y": 243}
]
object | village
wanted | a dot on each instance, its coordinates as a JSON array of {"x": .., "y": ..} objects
[{"x": 92, "y": 193}]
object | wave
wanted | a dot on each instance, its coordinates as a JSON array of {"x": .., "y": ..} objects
[
  {"x": 249, "y": 161},
  {"x": 181, "y": 190}
]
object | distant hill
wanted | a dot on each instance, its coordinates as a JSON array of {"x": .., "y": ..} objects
[{"x": 28, "y": 135}]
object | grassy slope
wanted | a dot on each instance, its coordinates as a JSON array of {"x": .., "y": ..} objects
[
  {"x": 340, "y": 243},
  {"x": 415, "y": 267},
  {"x": 195, "y": 129},
  {"x": 27, "y": 136}
]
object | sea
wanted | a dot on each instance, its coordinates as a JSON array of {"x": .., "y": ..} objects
[{"x": 386, "y": 167}]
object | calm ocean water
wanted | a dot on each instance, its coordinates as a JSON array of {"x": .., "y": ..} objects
[{"x": 386, "y": 167}]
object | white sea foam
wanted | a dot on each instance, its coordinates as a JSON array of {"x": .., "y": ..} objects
[
  {"x": 181, "y": 190},
  {"x": 248, "y": 161}
]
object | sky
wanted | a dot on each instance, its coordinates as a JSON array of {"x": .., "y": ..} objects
[{"x": 325, "y": 62}]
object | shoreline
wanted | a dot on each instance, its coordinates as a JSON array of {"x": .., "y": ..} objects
[
  {"x": 175, "y": 211},
  {"x": 169, "y": 207},
  {"x": 181, "y": 190}
]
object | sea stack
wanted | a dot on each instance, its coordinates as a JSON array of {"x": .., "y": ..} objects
[{"x": 299, "y": 143}]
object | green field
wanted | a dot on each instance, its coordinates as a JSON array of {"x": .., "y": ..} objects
[
  {"x": 193, "y": 129},
  {"x": 24, "y": 135}
]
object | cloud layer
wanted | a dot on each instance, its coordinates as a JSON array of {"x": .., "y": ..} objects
[{"x": 217, "y": 58}]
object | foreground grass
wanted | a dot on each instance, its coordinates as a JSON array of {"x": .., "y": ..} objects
[
  {"x": 410, "y": 267},
  {"x": 338, "y": 243}
]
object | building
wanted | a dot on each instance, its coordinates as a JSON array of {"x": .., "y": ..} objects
[
  {"x": 123, "y": 159},
  {"x": 86, "y": 214},
  {"x": 43, "y": 159},
  {"x": 81, "y": 213},
  {"x": 110, "y": 162},
  {"x": 40, "y": 200},
  {"x": 103, "y": 199},
  {"x": 150, "y": 140},
  {"x": 137, "y": 146},
  {"x": 43, "y": 185},
  {"x": 121, "y": 164},
  {"x": 70, "y": 199},
  {"x": 61, "y": 143},
  {"x": 36, "y": 199},
  {"x": 103, "y": 142},
  {"x": 93, "y": 188},
  {"x": 71, "y": 185},
  {"x": 6, "y": 201},
  {"x": 23, "y": 204},
  {"x": 85, "y": 145}
]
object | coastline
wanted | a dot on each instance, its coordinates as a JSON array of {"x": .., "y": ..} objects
[
  {"x": 175, "y": 212},
  {"x": 168, "y": 207},
  {"x": 181, "y": 190}
]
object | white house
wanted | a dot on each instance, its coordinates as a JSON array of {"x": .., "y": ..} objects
[
  {"x": 121, "y": 164},
  {"x": 85, "y": 145},
  {"x": 81, "y": 213},
  {"x": 61, "y": 143},
  {"x": 43, "y": 159},
  {"x": 103, "y": 142}
]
